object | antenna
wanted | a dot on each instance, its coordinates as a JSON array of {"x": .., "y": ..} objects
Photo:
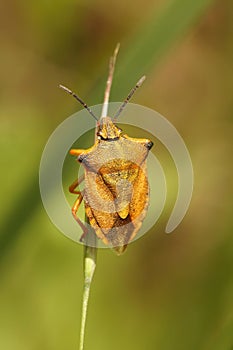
[
  {"x": 139, "y": 83},
  {"x": 79, "y": 100},
  {"x": 109, "y": 81}
]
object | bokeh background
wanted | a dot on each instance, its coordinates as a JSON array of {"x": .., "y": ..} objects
[{"x": 167, "y": 292}]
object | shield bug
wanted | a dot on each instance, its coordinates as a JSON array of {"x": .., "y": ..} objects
[{"x": 116, "y": 192}]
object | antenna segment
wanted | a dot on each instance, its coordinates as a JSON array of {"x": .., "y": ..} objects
[
  {"x": 79, "y": 100},
  {"x": 139, "y": 83}
]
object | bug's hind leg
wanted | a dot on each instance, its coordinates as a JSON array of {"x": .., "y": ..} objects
[{"x": 77, "y": 204}]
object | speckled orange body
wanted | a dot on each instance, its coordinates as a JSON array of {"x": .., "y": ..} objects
[{"x": 116, "y": 192}]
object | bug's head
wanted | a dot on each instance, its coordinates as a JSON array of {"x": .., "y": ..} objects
[{"x": 107, "y": 130}]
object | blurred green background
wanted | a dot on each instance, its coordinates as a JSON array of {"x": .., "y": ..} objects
[{"x": 167, "y": 292}]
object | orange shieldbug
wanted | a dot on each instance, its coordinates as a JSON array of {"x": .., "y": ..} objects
[{"x": 116, "y": 193}]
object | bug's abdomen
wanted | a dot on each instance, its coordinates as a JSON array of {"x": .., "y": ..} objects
[{"x": 116, "y": 199}]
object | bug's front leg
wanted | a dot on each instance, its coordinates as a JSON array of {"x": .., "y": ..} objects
[{"x": 77, "y": 204}]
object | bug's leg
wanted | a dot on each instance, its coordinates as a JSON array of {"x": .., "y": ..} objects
[
  {"x": 74, "y": 213},
  {"x": 75, "y": 184},
  {"x": 76, "y": 205}
]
